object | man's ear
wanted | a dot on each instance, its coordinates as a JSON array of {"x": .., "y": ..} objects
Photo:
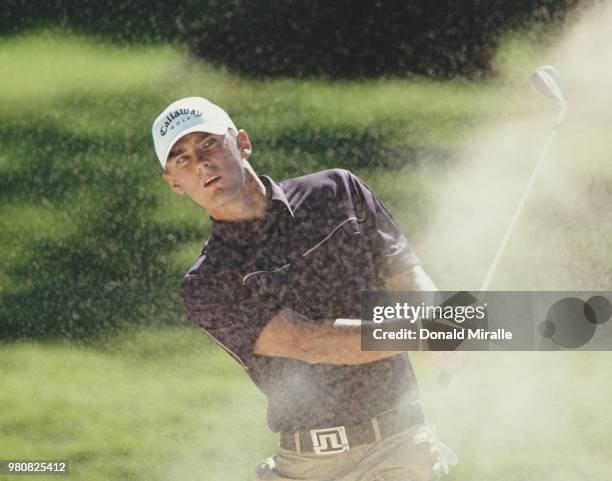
[
  {"x": 173, "y": 183},
  {"x": 244, "y": 144}
]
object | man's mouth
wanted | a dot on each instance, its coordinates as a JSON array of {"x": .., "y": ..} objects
[{"x": 211, "y": 180}]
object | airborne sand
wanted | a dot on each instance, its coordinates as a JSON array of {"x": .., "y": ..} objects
[{"x": 532, "y": 416}]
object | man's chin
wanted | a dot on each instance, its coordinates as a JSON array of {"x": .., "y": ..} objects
[{"x": 219, "y": 200}]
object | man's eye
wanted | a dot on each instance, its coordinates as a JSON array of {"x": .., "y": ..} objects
[
  {"x": 206, "y": 143},
  {"x": 182, "y": 159}
]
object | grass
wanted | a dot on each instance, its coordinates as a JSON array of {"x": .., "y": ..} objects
[
  {"x": 165, "y": 404},
  {"x": 148, "y": 405},
  {"x": 99, "y": 365}
]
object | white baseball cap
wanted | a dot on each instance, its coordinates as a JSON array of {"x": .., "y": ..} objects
[{"x": 191, "y": 114}]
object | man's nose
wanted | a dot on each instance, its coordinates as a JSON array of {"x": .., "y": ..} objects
[{"x": 203, "y": 162}]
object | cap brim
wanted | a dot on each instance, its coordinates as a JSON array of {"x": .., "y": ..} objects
[{"x": 209, "y": 129}]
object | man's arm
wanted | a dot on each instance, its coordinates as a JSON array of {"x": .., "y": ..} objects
[
  {"x": 448, "y": 362},
  {"x": 290, "y": 334}
]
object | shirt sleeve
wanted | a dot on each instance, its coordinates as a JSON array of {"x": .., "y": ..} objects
[
  {"x": 390, "y": 247},
  {"x": 233, "y": 320}
]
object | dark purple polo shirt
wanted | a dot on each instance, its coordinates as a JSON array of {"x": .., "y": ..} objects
[{"x": 325, "y": 237}]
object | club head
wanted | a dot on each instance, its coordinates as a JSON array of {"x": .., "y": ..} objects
[
  {"x": 549, "y": 84},
  {"x": 547, "y": 81}
]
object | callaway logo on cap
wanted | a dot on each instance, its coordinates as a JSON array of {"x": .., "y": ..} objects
[{"x": 191, "y": 114}]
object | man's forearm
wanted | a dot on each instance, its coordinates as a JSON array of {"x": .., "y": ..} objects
[
  {"x": 337, "y": 342},
  {"x": 290, "y": 334}
]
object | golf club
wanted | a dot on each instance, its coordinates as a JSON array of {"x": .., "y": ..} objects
[{"x": 547, "y": 82}]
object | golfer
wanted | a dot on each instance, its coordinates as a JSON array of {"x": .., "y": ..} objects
[{"x": 283, "y": 263}]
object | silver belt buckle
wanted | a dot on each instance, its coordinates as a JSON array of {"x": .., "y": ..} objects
[{"x": 329, "y": 440}]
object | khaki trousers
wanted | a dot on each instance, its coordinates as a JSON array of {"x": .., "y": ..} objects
[{"x": 410, "y": 455}]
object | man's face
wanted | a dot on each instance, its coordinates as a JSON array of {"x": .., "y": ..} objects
[{"x": 208, "y": 168}]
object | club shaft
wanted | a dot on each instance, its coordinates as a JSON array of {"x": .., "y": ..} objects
[
  {"x": 517, "y": 213},
  {"x": 444, "y": 377}
]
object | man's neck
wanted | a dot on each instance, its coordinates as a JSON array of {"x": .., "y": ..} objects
[{"x": 251, "y": 203}]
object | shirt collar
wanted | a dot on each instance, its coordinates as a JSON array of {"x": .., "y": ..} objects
[
  {"x": 249, "y": 231},
  {"x": 275, "y": 193}
]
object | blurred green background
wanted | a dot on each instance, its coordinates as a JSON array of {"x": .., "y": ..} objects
[
  {"x": 98, "y": 363},
  {"x": 93, "y": 238}
]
